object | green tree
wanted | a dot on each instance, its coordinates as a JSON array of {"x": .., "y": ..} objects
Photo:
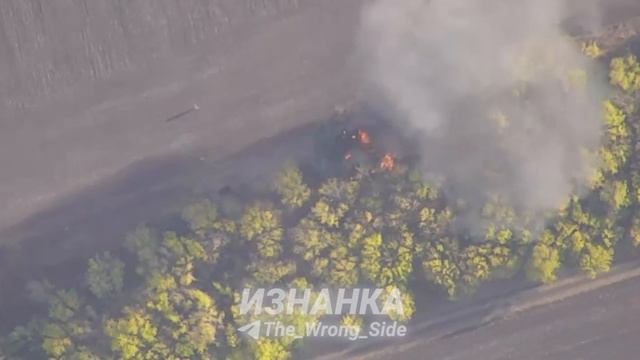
[
  {"x": 66, "y": 327},
  {"x": 261, "y": 224},
  {"x": 311, "y": 242},
  {"x": 134, "y": 335},
  {"x": 596, "y": 259},
  {"x": 543, "y": 264},
  {"x": 196, "y": 331},
  {"x": 592, "y": 49},
  {"x": 182, "y": 253},
  {"x": 145, "y": 243},
  {"x": 407, "y": 302},
  {"x": 625, "y": 73},
  {"x": 343, "y": 267},
  {"x": 269, "y": 271},
  {"x": 616, "y": 193},
  {"x": 336, "y": 198},
  {"x": 271, "y": 349},
  {"x": 387, "y": 258},
  {"x": 441, "y": 264},
  {"x": 291, "y": 187},
  {"x": 635, "y": 231},
  {"x": 56, "y": 341},
  {"x": 615, "y": 151},
  {"x": 201, "y": 216},
  {"x": 105, "y": 275}
]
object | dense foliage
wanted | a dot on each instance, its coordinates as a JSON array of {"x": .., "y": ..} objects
[{"x": 178, "y": 299}]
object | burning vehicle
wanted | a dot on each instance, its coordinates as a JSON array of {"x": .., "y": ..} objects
[{"x": 342, "y": 147}]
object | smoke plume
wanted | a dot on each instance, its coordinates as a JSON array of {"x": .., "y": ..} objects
[{"x": 494, "y": 90}]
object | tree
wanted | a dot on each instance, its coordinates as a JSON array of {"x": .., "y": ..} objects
[
  {"x": 595, "y": 260},
  {"x": 543, "y": 264},
  {"x": 56, "y": 342},
  {"x": 387, "y": 258},
  {"x": 592, "y": 50},
  {"x": 370, "y": 265},
  {"x": 269, "y": 272},
  {"x": 270, "y": 349},
  {"x": 442, "y": 265},
  {"x": 311, "y": 240},
  {"x": 133, "y": 336},
  {"x": 635, "y": 231},
  {"x": 181, "y": 254},
  {"x": 144, "y": 243},
  {"x": 625, "y": 73},
  {"x": 406, "y": 299},
  {"x": 105, "y": 275},
  {"x": 291, "y": 187},
  {"x": 616, "y": 193},
  {"x": 616, "y": 149},
  {"x": 24, "y": 342},
  {"x": 343, "y": 267},
  {"x": 476, "y": 265},
  {"x": 260, "y": 224},
  {"x": 65, "y": 328},
  {"x": 336, "y": 198},
  {"x": 201, "y": 216},
  {"x": 198, "y": 326}
]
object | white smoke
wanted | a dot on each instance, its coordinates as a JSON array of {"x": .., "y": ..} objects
[{"x": 493, "y": 89}]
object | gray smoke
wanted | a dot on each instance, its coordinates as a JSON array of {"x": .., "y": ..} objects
[{"x": 494, "y": 91}]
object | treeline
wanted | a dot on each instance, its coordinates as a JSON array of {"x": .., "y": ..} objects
[{"x": 175, "y": 294}]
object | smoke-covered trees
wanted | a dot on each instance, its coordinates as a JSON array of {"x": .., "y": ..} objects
[
  {"x": 625, "y": 73},
  {"x": 592, "y": 50}
]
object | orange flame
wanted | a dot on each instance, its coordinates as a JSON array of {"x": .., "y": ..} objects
[
  {"x": 363, "y": 137},
  {"x": 387, "y": 162}
]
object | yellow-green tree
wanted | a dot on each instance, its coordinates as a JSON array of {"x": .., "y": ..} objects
[
  {"x": 596, "y": 259},
  {"x": 291, "y": 188},
  {"x": 441, "y": 264},
  {"x": 543, "y": 264},
  {"x": 387, "y": 258},
  {"x": 625, "y": 73},
  {"x": 336, "y": 198},
  {"x": 261, "y": 224},
  {"x": 591, "y": 49},
  {"x": 134, "y": 335}
]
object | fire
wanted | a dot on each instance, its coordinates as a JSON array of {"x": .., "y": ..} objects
[
  {"x": 363, "y": 137},
  {"x": 387, "y": 162}
]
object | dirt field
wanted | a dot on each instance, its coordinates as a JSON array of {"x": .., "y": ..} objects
[{"x": 87, "y": 86}]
